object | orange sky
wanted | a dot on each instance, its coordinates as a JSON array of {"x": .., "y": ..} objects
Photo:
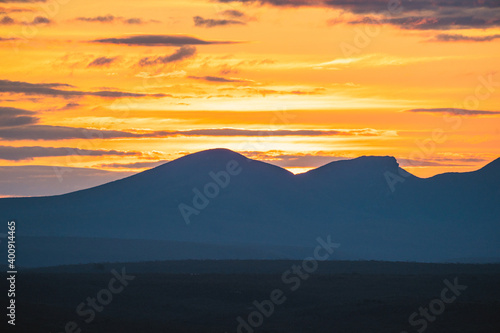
[{"x": 297, "y": 83}]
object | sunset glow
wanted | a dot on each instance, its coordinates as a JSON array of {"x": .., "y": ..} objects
[{"x": 121, "y": 86}]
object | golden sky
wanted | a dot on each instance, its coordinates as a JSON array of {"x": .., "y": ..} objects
[{"x": 123, "y": 85}]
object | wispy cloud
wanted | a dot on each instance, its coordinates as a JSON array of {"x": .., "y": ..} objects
[
  {"x": 432, "y": 22},
  {"x": 112, "y": 19},
  {"x": 295, "y": 160},
  {"x": 404, "y": 162},
  {"x": 100, "y": 19},
  {"x": 11, "y": 117},
  {"x": 210, "y": 23},
  {"x": 52, "y": 89},
  {"x": 102, "y": 61},
  {"x": 32, "y": 180},
  {"x": 182, "y": 53},
  {"x": 47, "y": 132},
  {"x": 2, "y": 39},
  {"x": 21, "y": 1},
  {"x": 174, "y": 74},
  {"x": 219, "y": 79},
  {"x": 136, "y": 165},
  {"x": 6, "y": 10},
  {"x": 283, "y": 3},
  {"x": 161, "y": 40},
  {"x": 234, "y": 13},
  {"x": 463, "y": 38},
  {"x": 320, "y": 158},
  {"x": 28, "y": 153},
  {"x": 19, "y": 124},
  {"x": 455, "y": 111},
  {"x": 70, "y": 106},
  {"x": 7, "y": 20},
  {"x": 251, "y": 91},
  {"x": 259, "y": 133},
  {"x": 374, "y": 60}
]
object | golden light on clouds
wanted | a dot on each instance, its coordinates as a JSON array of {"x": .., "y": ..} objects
[{"x": 134, "y": 81}]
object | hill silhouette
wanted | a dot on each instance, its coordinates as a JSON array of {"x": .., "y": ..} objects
[{"x": 247, "y": 209}]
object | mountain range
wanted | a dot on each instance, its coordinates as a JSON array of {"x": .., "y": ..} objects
[{"x": 218, "y": 204}]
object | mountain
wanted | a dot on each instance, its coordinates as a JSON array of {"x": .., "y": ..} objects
[{"x": 223, "y": 205}]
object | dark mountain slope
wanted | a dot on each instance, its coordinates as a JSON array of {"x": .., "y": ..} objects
[{"x": 241, "y": 202}]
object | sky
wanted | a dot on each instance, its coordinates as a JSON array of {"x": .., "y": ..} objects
[{"x": 99, "y": 90}]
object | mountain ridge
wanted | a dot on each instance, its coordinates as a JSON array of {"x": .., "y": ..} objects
[
  {"x": 386, "y": 163},
  {"x": 419, "y": 219}
]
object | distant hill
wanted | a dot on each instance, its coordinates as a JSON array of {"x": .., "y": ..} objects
[{"x": 369, "y": 205}]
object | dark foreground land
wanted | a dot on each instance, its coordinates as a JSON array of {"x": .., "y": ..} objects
[{"x": 208, "y": 296}]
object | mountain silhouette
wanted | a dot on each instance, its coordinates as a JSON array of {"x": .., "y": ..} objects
[{"x": 218, "y": 204}]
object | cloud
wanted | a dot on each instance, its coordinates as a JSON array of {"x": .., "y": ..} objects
[
  {"x": 375, "y": 6},
  {"x": 257, "y": 133},
  {"x": 434, "y": 22},
  {"x": 18, "y": 124},
  {"x": 41, "y": 20},
  {"x": 47, "y": 132},
  {"x": 462, "y": 38},
  {"x": 454, "y": 111},
  {"x": 33, "y": 180},
  {"x": 445, "y": 159},
  {"x": 174, "y": 74},
  {"x": 111, "y": 18},
  {"x": 10, "y": 117},
  {"x": 219, "y": 79},
  {"x": 21, "y": 1},
  {"x": 210, "y": 23},
  {"x": 28, "y": 153},
  {"x": 264, "y": 92},
  {"x": 282, "y": 3},
  {"x": 118, "y": 94},
  {"x": 182, "y": 53},
  {"x": 404, "y": 162},
  {"x": 52, "y": 89},
  {"x": 416, "y": 14},
  {"x": 133, "y": 20},
  {"x": 101, "y": 19},
  {"x": 160, "y": 40},
  {"x": 136, "y": 165},
  {"x": 320, "y": 158},
  {"x": 374, "y": 60},
  {"x": 4, "y": 10},
  {"x": 298, "y": 160},
  {"x": 70, "y": 106},
  {"x": 233, "y": 13},
  {"x": 7, "y": 20},
  {"x": 102, "y": 62},
  {"x": 226, "y": 69}
]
